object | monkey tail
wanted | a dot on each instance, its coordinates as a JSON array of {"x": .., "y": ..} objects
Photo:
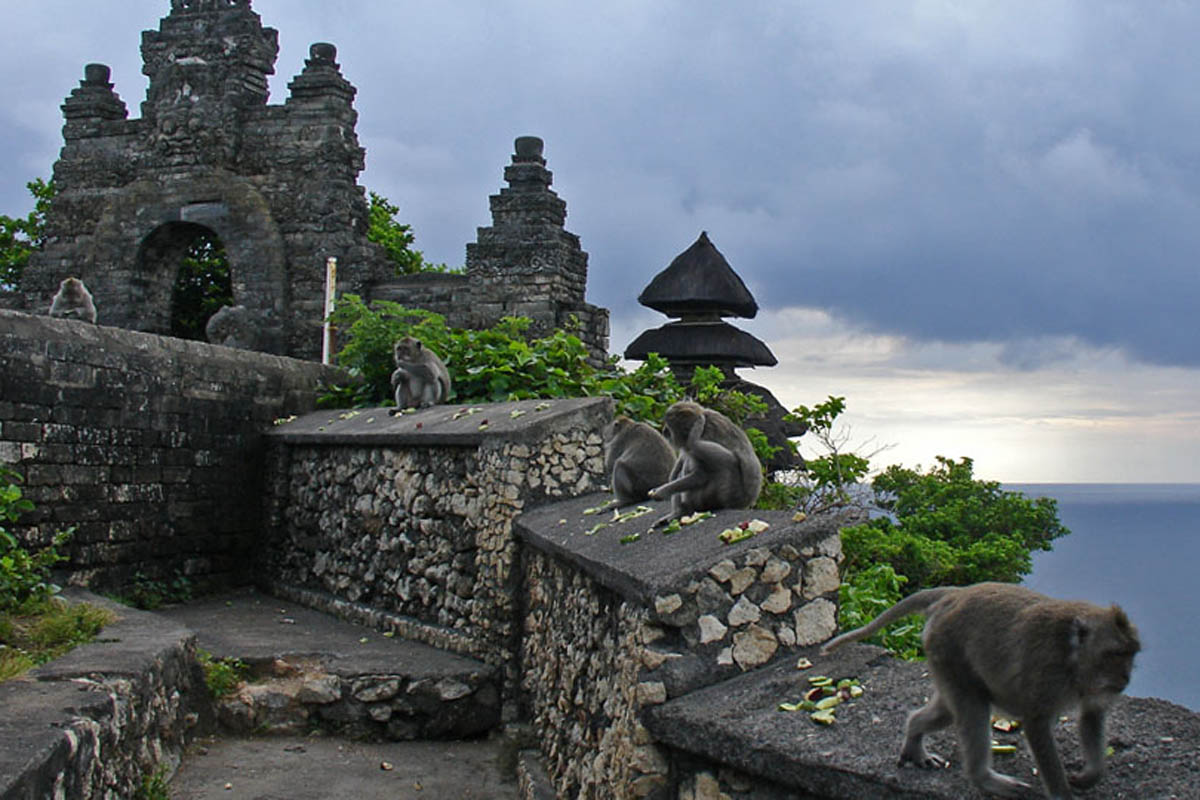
[{"x": 916, "y": 603}]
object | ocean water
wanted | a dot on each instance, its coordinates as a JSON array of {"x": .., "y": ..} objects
[{"x": 1137, "y": 545}]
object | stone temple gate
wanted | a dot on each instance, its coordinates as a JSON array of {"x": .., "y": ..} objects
[{"x": 275, "y": 185}]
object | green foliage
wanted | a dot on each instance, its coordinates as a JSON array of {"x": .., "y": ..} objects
[
  {"x": 497, "y": 364},
  {"x": 873, "y": 591},
  {"x": 20, "y": 236},
  {"x": 396, "y": 238},
  {"x": 948, "y": 528},
  {"x": 740, "y": 407},
  {"x": 202, "y": 286},
  {"x": 154, "y": 786},
  {"x": 24, "y": 576},
  {"x": 222, "y": 676},
  {"x": 149, "y": 594},
  {"x": 42, "y": 629}
]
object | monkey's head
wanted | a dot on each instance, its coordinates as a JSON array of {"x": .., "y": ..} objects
[
  {"x": 1106, "y": 645},
  {"x": 71, "y": 287},
  {"x": 679, "y": 420},
  {"x": 619, "y": 423},
  {"x": 407, "y": 349}
]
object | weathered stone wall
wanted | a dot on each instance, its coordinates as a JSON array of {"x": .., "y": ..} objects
[
  {"x": 613, "y": 628},
  {"x": 150, "y": 447},
  {"x": 581, "y": 662},
  {"x": 92, "y": 723},
  {"x": 413, "y": 514}
]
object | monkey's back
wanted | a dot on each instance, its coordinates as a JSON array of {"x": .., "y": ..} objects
[{"x": 999, "y": 634}]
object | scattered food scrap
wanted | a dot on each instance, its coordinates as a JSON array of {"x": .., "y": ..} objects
[{"x": 823, "y": 696}]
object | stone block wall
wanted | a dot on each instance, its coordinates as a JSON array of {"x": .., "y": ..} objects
[
  {"x": 150, "y": 447},
  {"x": 613, "y": 628},
  {"x": 412, "y": 515}
]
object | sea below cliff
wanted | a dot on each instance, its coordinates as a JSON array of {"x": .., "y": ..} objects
[{"x": 1137, "y": 545}]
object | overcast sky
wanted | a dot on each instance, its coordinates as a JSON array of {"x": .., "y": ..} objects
[{"x": 978, "y": 221}]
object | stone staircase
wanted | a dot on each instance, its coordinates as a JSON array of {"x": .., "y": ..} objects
[{"x": 308, "y": 671}]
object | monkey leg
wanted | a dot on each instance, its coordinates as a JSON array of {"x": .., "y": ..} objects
[
  {"x": 687, "y": 481},
  {"x": 1091, "y": 737},
  {"x": 625, "y": 485},
  {"x": 973, "y": 716},
  {"x": 1039, "y": 733},
  {"x": 933, "y": 716}
]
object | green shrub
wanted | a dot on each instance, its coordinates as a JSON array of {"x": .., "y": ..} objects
[
  {"x": 24, "y": 576},
  {"x": 497, "y": 364},
  {"x": 946, "y": 527},
  {"x": 871, "y": 592},
  {"x": 222, "y": 676}
]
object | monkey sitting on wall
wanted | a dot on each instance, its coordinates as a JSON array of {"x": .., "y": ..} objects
[
  {"x": 636, "y": 458},
  {"x": 715, "y": 466},
  {"x": 73, "y": 301},
  {"x": 1032, "y": 656},
  {"x": 421, "y": 378},
  {"x": 244, "y": 328}
]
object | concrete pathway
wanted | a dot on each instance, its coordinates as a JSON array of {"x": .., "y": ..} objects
[{"x": 310, "y": 768}]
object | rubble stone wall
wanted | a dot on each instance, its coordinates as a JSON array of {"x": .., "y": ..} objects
[
  {"x": 611, "y": 631},
  {"x": 422, "y": 529}
]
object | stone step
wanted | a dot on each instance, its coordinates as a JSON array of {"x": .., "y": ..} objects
[{"x": 311, "y": 671}]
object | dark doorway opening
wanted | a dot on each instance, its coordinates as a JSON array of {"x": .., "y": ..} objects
[{"x": 195, "y": 256}]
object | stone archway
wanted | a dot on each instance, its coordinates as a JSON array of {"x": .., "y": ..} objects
[
  {"x": 182, "y": 272},
  {"x": 143, "y": 235}
]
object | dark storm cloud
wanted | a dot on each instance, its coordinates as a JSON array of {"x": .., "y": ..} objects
[{"x": 959, "y": 172}]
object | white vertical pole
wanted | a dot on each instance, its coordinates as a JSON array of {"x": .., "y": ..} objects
[{"x": 330, "y": 294}]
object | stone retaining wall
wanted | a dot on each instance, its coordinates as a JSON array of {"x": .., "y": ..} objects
[
  {"x": 614, "y": 628},
  {"x": 149, "y": 446},
  {"x": 412, "y": 515}
]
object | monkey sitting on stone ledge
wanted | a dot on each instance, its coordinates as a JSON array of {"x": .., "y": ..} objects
[
  {"x": 421, "y": 378},
  {"x": 637, "y": 458},
  {"x": 1031, "y": 656},
  {"x": 73, "y": 301},
  {"x": 715, "y": 467}
]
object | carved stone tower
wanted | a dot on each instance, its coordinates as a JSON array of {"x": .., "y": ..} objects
[
  {"x": 276, "y": 186},
  {"x": 527, "y": 263}
]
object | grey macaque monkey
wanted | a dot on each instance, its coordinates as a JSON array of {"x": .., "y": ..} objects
[
  {"x": 1031, "y": 656},
  {"x": 636, "y": 457},
  {"x": 73, "y": 301},
  {"x": 421, "y": 378},
  {"x": 715, "y": 466}
]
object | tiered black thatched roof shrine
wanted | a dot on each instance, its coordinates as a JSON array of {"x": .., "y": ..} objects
[{"x": 699, "y": 287}]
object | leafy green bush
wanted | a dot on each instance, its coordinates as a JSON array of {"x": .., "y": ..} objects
[
  {"x": 21, "y": 236},
  {"x": 24, "y": 576},
  {"x": 947, "y": 528},
  {"x": 871, "y": 592},
  {"x": 497, "y": 364}
]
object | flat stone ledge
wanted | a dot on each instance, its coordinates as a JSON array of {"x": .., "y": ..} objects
[
  {"x": 656, "y": 562},
  {"x": 736, "y": 724},
  {"x": 56, "y": 719},
  {"x": 456, "y": 424}
]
